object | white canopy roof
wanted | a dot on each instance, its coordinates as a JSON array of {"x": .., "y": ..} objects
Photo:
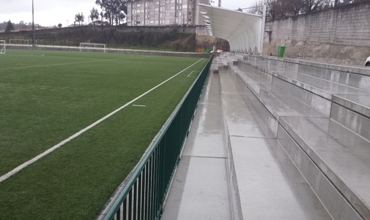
[{"x": 244, "y": 31}]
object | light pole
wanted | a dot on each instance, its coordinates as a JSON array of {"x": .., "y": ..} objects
[
  {"x": 67, "y": 33},
  {"x": 33, "y": 25}
]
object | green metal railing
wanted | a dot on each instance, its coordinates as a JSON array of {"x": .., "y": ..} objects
[{"x": 144, "y": 190}]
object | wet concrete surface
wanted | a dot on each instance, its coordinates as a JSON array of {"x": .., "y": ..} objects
[
  {"x": 199, "y": 189},
  {"x": 269, "y": 185}
]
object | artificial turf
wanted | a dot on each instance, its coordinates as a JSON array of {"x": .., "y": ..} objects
[{"x": 47, "y": 96}]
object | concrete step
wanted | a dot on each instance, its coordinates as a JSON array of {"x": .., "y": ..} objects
[
  {"x": 331, "y": 151},
  {"x": 272, "y": 100},
  {"x": 329, "y": 97},
  {"x": 266, "y": 182},
  {"x": 345, "y": 86}
]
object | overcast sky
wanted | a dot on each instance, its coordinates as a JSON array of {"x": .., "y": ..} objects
[
  {"x": 234, "y": 4},
  {"x": 53, "y": 12}
]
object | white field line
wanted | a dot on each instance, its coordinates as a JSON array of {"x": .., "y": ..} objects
[
  {"x": 38, "y": 157},
  {"x": 190, "y": 73},
  {"x": 143, "y": 106}
]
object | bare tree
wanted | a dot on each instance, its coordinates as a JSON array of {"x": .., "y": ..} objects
[
  {"x": 257, "y": 8},
  {"x": 279, "y": 9},
  {"x": 314, "y": 5},
  {"x": 294, "y": 7}
]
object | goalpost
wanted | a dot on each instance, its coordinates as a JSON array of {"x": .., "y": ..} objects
[
  {"x": 2, "y": 47},
  {"x": 91, "y": 46}
]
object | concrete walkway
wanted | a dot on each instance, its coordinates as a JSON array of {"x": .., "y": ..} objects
[{"x": 200, "y": 189}]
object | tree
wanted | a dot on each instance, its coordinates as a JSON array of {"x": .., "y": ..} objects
[
  {"x": 279, "y": 9},
  {"x": 113, "y": 10},
  {"x": 94, "y": 14},
  {"x": 60, "y": 25},
  {"x": 9, "y": 26},
  {"x": 22, "y": 25},
  {"x": 314, "y": 5},
  {"x": 79, "y": 18},
  {"x": 257, "y": 8}
]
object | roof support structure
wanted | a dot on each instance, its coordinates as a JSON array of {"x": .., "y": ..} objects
[{"x": 244, "y": 31}]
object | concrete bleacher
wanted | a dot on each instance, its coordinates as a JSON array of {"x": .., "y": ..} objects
[
  {"x": 319, "y": 115},
  {"x": 266, "y": 183},
  {"x": 296, "y": 143}
]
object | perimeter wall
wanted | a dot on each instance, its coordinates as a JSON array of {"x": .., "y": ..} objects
[{"x": 340, "y": 35}]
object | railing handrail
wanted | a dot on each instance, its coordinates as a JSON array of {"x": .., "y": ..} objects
[{"x": 123, "y": 190}]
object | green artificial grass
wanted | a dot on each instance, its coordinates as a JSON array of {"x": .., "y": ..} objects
[{"x": 47, "y": 96}]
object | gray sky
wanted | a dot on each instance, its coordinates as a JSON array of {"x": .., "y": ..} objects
[
  {"x": 235, "y": 4},
  {"x": 53, "y": 12},
  {"x": 47, "y": 12}
]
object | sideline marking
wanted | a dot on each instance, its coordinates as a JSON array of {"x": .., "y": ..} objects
[
  {"x": 190, "y": 73},
  {"x": 143, "y": 106},
  {"x": 38, "y": 157}
]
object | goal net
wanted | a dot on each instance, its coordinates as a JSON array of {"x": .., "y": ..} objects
[
  {"x": 92, "y": 47},
  {"x": 2, "y": 47}
]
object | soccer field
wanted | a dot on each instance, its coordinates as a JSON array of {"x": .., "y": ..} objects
[{"x": 79, "y": 122}]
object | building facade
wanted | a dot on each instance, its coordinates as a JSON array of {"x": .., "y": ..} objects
[{"x": 164, "y": 12}]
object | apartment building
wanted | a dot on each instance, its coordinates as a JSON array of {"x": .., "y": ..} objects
[{"x": 164, "y": 12}]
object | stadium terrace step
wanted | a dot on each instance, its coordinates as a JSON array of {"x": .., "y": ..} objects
[
  {"x": 264, "y": 181},
  {"x": 272, "y": 93},
  {"x": 347, "y": 86},
  {"x": 229, "y": 61},
  {"x": 326, "y": 140},
  {"x": 330, "y": 151}
]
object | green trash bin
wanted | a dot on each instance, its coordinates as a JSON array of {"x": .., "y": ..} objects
[{"x": 281, "y": 50}]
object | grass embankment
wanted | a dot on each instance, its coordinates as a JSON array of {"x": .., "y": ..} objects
[{"x": 112, "y": 37}]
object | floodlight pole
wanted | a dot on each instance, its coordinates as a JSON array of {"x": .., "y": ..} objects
[
  {"x": 67, "y": 33},
  {"x": 33, "y": 25}
]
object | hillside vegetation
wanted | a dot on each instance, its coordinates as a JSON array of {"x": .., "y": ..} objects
[{"x": 113, "y": 37}]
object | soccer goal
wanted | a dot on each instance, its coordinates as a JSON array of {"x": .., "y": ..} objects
[
  {"x": 92, "y": 46},
  {"x": 2, "y": 47}
]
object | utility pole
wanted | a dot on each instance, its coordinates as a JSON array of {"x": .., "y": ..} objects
[{"x": 33, "y": 25}]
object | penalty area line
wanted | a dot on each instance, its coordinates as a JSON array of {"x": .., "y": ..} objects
[{"x": 60, "y": 144}]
